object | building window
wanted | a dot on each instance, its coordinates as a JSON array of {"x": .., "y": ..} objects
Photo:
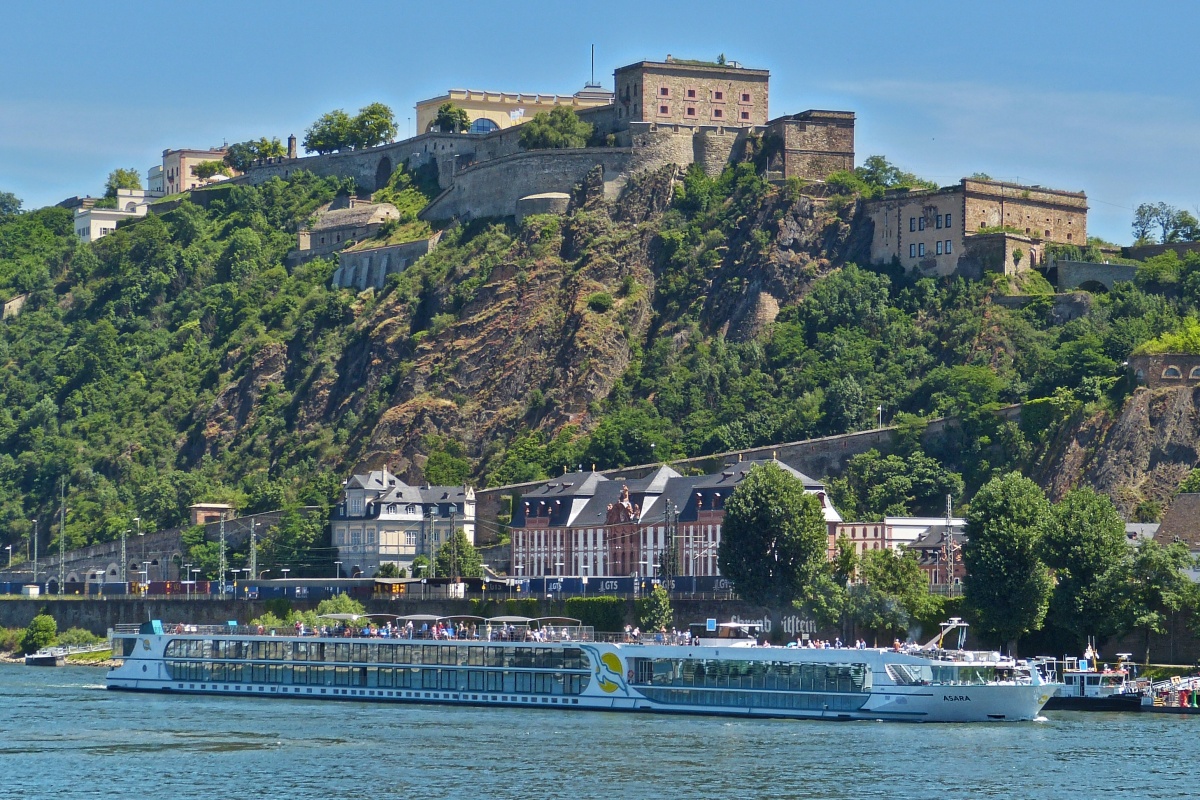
[
  {"x": 912, "y": 223},
  {"x": 920, "y": 223},
  {"x": 921, "y": 249},
  {"x": 691, "y": 111},
  {"x": 939, "y": 248},
  {"x": 664, "y": 91},
  {"x": 938, "y": 222},
  {"x": 691, "y": 94},
  {"x": 947, "y": 247},
  {"x": 947, "y": 220},
  {"x": 1047, "y": 234},
  {"x": 746, "y": 115},
  {"x": 410, "y": 538},
  {"x": 912, "y": 251},
  {"x": 664, "y": 110},
  {"x": 745, "y": 97},
  {"x": 1068, "y": 237},
  {"x": 718, "y": 113},
  {"x": 718, "y": 95}
]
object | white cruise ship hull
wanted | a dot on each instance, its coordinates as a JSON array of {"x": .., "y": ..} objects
[{"x": 843, "y": 684}]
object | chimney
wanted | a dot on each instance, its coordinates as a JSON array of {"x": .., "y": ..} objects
[{"x": 292, "y": 146}]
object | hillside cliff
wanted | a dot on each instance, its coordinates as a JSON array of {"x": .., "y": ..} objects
[
  {"x": 178, "y": 359},
  {"x": 1137, "y": 456}
]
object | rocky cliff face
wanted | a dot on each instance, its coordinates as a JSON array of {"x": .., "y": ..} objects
[{"x": 1141, "y": 454}]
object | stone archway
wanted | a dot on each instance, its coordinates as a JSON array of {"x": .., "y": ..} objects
[
  {"x": 1095, "y": 287},
  {"x": 383, "y": 172}
]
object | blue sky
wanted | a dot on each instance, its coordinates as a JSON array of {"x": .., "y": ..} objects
[{"x": 1097, "y": 96}]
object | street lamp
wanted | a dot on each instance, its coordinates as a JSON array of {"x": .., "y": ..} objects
[
  {"x": 285, "y": 571},
  {"x": 263, "y": 572},
  {"x": 195, "y": 574},
  {"x": 337, "y": 569},
  {"x": 187, "y": 568},
  {"x": 146, "y": 572},
  {"x": 8, "y": 547}
]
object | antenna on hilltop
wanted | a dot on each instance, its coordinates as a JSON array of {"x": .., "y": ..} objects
[{"x": 592, "y": 83}]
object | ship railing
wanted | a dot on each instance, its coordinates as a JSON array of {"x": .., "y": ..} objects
[
  {"x": 681, "y": 638},
  {"x": 495, "y": 633}
]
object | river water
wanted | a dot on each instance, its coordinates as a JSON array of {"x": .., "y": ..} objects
[{"x": 62, "y": 735}]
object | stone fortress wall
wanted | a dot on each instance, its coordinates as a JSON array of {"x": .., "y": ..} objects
[
  {"x": 1050, "y": 214},
  {"x": 369, "y": 267},
  {"x": 484, "y": 175}
]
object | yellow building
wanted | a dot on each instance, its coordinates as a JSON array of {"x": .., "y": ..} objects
[{"x": 492, "y": 111}]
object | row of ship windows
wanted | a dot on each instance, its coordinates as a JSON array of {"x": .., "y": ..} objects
[
  {"x": 939, "y": 221},
  {"x": 918, "y": 250},
  {"x": 800, "y": 702},
  {"x": 551, "y": 683},
  {"x": 770, "y": 675},
  {"x": 418, "y": 695},
  {"x": 381, "y": 653}
]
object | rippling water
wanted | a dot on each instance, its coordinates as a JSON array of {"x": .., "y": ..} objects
[{"x": 62, "y": 734}]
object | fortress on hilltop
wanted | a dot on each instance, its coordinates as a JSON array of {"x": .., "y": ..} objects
[{"x": 663, "y": 112}]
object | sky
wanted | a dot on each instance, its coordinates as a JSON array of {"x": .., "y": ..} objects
[{"x": 1096, "y": 96}]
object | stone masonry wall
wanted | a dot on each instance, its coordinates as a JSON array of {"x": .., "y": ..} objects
[
  {"x": 815, "y": 143},
  {"x": 1043, "y": 213},
  {"x": 1166, "y": 369},
  {"x": 1073, "y": 274},
  {"x": 370, "y": 267},
  {"x": 492, "y": 188}
]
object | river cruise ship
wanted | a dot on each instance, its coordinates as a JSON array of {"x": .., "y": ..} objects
[{"x": 518, "y": 662}]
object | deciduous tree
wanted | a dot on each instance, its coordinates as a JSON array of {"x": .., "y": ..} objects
[
  {"x": 773, "y": 537},
  {"x": 121, "y": 178},
  {"x": 41, "y": 632},
  {"x": 1084, "y": 543},
  {"x": 654, "y": 610},
  {"x": 1157, "y": 587},
  {"x": 331, "y": 132},
  {"x": 559, "y": 128},
  {"x": 458, "y": 558},
  {"x": 373, "y": 125},
  {"x": 10, "y": 205},
  {"x": 451, "y": 119},
  {"x": 1007, "y": 583}
]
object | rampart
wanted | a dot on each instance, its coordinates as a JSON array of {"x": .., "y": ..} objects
[
  {"x": 1083, "y": 274},
  {"x": 1143, "y": 251},
  {"x": 492, "y": 188},
  {"x": 370, "y": 266},
  {"x": 1162, "y": 370}
]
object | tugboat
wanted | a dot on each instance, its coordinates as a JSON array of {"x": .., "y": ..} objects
[{"x": 1088, "y": 685}]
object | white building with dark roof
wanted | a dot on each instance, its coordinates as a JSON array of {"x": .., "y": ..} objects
[
  {"x": 383, "y": 520},
  {"x": 585, "y": 524}
]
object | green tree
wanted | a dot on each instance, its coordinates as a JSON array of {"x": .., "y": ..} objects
[
  {"x": 559, "y": 128},
  {"x": 445, "y": 465},
  {"x": 654, "y": 610},
  {"x": 891, "y": 593},
  {"x": 241, "y": 155},
  {"x": 388, "y": 570},
  {"x": 451, "y": 119},
  {"x": 10, "y": 205},
  {"x": 873, "y": 486},
  {"x": 420, "y": 566},
  {"x": 122, "y": 179},
  {"x": 773, "y": 537},
  {"x": 207, "y": 169},
  {"x": 340, "y": 604},
  {"x": 42, "y": 632},
  {"x": 1007, "y": 583},
  {"x": 1158, "y": 587},
  {"x": 458, "y": 558},
  {"x": 373, "y": 125},
  {"x": 331, "y": 132},
  {"x": 1084, "y": 544}
]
